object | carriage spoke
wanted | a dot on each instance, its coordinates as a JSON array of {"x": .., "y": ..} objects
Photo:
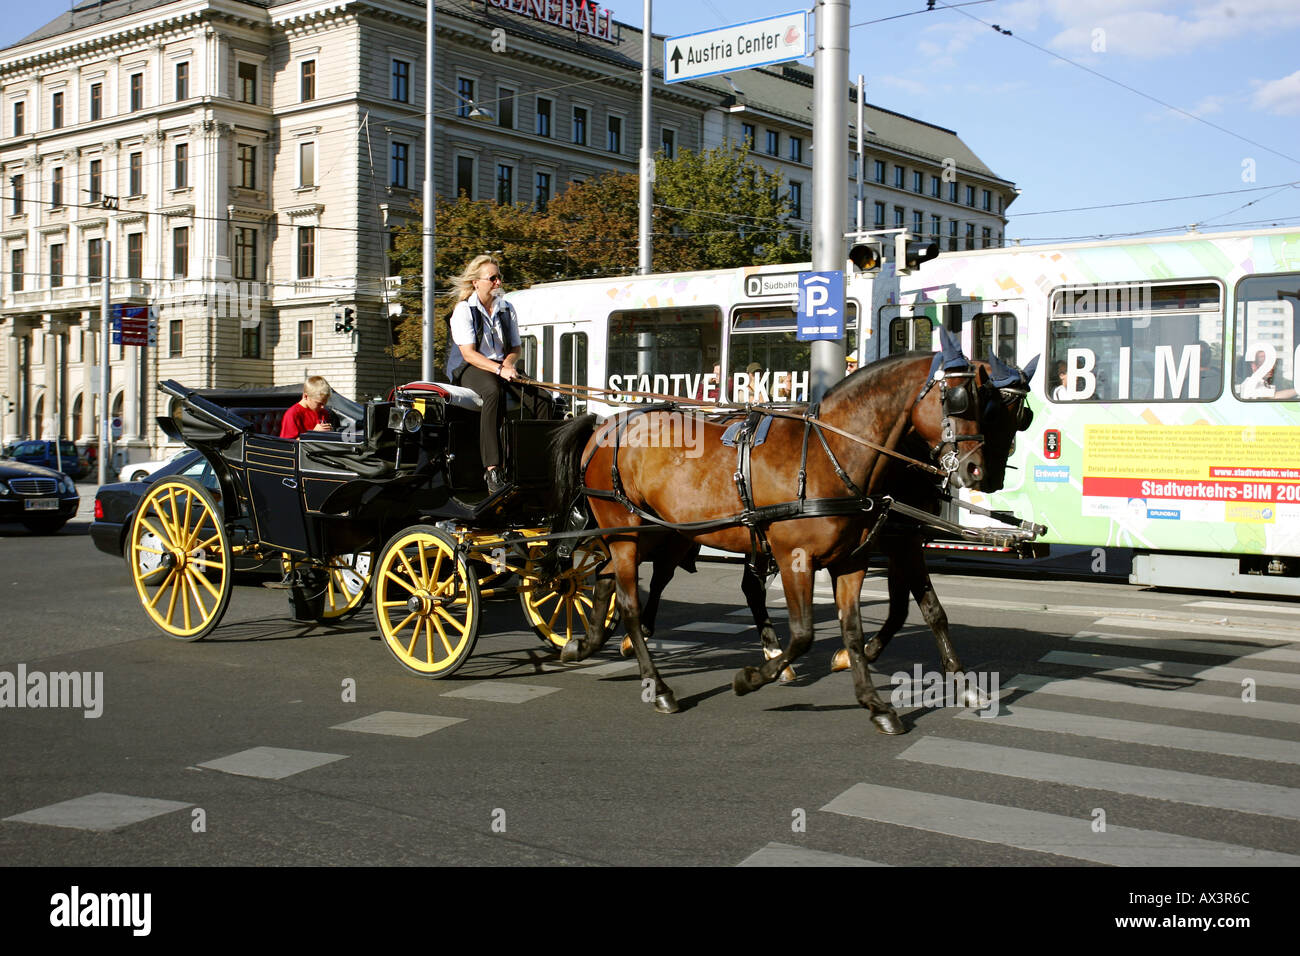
[
  {"x": 415, "y": 636},
  {"x": 173, "y": 584},
  {"x": 442, "y": 613},
  {"x": 410, "y": 588},
  {"x": 161, "y": 589},
  {"x": 205, "y": 543},
  {"x": 406, "y": 620},
  {"x": 410, "y": 571},
  {"x": 442, "y": 635},
  {"x": 545, "y": 599},
  {"x": 437, "y": 569},
  {"x": 154, "y": 531},
  {"x": 198, "y": 598},
  {"x": 424, "y": 564},
  {"x": 203, "y": 579}
]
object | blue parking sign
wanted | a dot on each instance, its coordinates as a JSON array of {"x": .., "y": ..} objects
[{"x": 821, "y": 306}]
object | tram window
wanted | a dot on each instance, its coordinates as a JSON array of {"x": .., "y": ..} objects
[
  {"x": 910, "y": 332},
  {"x": 663, "y": 350},
  {"x": 1267, "y": 340},
  {"x": 573, "y": 365},
  {"x": 544, "y": 367},
  {"x": 767, "y": 338},
  {"x": 528, "y": 355},
  {"x": 996, "y": 330},
  {"x": 1136, "y": 342}
]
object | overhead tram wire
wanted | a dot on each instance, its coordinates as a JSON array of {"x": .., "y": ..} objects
[
  {"x": 1148, "y": 202},
  {"x": 929, "y": 9}
]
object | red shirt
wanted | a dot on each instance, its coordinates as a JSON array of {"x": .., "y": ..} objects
[{"x": 301, "y": 419}]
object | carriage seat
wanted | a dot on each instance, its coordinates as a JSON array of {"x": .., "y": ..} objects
[{"x": 462, "y": 396}]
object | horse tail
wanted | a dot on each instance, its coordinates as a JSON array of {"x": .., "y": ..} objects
[{"x": 568, "y": 442}]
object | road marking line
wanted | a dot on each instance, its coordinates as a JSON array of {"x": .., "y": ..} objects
[
  {"x": 501, "y": 692},
  {"x": 783, "y": 854},
  {"x": 1189, "y": 788},
  {"x": 271, "y": 763},
  {"x": 1229, "y": 606},
  {"x": 1043, "y": 832},
  {"x": 99, "y": 811},
  {"x": 396, "y": 724},
  {"x": 1133, "y": 666},
  {"x": 1270, "y": 630},
  {"x": 1197, "y": 645}
]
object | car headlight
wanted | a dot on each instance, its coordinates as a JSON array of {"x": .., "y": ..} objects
[
  {"x": 69, "y": 486},
  {"x": 4, "y": 489}
]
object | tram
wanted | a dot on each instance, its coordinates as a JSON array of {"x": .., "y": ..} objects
[{"x": 1166, "y": 418}]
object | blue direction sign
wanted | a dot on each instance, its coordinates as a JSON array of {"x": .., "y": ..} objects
[
  {"x": 740, "y": 46},
  {"x": 820, "y": 313},
  {"x": 134, "y": 325}
]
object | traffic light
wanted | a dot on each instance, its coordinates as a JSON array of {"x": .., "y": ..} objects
[
  {"x": 909, "y": 254},
  {"x": 867, "y": 255},
  {"x": 345, "y": 321}
]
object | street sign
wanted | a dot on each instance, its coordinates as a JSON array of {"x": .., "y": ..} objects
[
  {"x": 134, "y": 325},
  {"x": 820, "y": 313},
  {"x": 740, "y": 46},
  {"x": 772, "y": 283}
]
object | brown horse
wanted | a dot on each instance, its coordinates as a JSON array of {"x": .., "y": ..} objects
[
  {"x": 901, "y": 542},
  {"x": 631, "y": 482}
]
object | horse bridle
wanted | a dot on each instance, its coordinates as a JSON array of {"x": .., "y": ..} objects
[{"x": 955, "y": 402}]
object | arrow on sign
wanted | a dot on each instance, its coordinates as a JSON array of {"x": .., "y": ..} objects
[{"x": 677, "y": 59}]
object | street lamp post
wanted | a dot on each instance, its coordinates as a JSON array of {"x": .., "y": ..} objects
[{"x": 427, "y": 299}]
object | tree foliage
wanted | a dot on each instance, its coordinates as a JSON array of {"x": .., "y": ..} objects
[{"x": 716, "y": 209}]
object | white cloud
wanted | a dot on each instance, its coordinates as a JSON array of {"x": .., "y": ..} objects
[
  {"x": 1156, "y": 28},
  {"x": 1280, "y": 97}
]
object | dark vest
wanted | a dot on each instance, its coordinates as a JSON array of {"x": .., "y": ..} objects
[{"x": 479, "y": 322}]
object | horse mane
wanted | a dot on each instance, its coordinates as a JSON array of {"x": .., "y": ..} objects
[{"x": 878, "y": 367}]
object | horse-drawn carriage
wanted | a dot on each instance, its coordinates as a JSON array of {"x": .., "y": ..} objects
[{"x": 390, "y": 506}]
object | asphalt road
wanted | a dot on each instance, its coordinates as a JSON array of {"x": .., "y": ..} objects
[{"x": 1121, "y": 737}]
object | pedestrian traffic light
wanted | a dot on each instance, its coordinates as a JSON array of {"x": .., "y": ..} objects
[
  {"x": 867, "y": 255},
  {"x": 909, "y": 254},
  {"x": 345, "y": 321}
]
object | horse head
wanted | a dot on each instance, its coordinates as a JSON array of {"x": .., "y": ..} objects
[
  {"x": 947, "y": 414},
  {"x": 1005, "y": 411}
]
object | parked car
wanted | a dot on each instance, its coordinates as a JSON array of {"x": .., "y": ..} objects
[
  {"x": 62, "y": 457},
  {"x": 140, "y": 470},
  {"x": 41, "y": 499}
]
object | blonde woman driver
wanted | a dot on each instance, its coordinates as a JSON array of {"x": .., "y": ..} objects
[{"x": 485, "y": 347}]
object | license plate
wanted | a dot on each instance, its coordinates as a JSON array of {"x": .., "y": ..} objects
[{"x": 41, "y": 504}]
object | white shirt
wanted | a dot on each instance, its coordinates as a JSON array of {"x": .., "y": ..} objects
[{"x": 490, "y": 343}]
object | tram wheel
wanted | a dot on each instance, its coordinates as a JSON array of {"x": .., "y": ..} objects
[
  {"x": 559, "y": 608},
  {"x": 347, "y": 588},
  {"x": 180, "y": 558},
  {"x": 426, "y": 601}
]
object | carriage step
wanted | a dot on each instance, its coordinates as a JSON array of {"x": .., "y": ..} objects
[{"x": 282, "y": 585}]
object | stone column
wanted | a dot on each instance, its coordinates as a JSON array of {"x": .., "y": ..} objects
[
  {"x": 131, "y": 397},
  {"x": 50, "y": 350},
  {"x": 13, "y": 381},
  {"x": 89, "y": 394}
]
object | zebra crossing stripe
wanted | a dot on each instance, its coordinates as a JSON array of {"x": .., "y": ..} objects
[
  {"x": 1229, "y": 705},
  {"x": 1138, "y": 667},
  {"x": 1238, "y": 606},
  {"x": 1255, "y": 652},
  {"x": 1190, "y": 788},
  {"x": 783, "y": 854},
  {"x": 1241, "y": 629},
  {"x": 1041, "y": 832},
  {"x": 1021, "y": 715}
]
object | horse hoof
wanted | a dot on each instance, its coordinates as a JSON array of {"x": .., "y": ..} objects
[
  {"x": 746, "y": 680},
  {"x": 571, "y": 652},
  {"x": 666, "y": 703},
  {"x": 840, "y": 662},
  {"x": 626, "y": 649},
  {"x": 787, "y": 675},
  {"x": 888, "y": 723},
  {"x": 972, "y": 699}
]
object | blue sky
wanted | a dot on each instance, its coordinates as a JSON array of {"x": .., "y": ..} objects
[{"x": 1069, "y": 138}]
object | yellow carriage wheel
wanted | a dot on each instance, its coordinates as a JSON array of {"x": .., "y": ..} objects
[
  {"x": 426, "y": 601},
  {"x": 179, "y": 555},
  {"x": 347, "y": 587},
  {"x": 558, "y": 608}
]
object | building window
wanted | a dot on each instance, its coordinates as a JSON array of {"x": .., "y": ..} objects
[
  {"x": 796, "y": 199},
  {"x": 505, "y": 107},
  {"x": 306, "y": 164},
  {"x": 183, "y": 80},
  {"x": 878, "y": 171},
  {"x": 135, "y": 174},
  {"x": 250, "y": 342},
  {"x": 970, "y": 195},
  {"x": 918, "y": 223},
  {"x": 936, "y": 226},
  {"x": 247, "y": 166},
  {"x": 580, "y": 126},
  {"x": 96, "y": 101},
  {"x": 936, "y": 190},
  {"x": 898, "y": 217},
  {"x": 306, "y": 252},
  {"x": 307, "y": 80},
  {"x": 247, "y": 82},
  {"x": 614, "y": 134},
  {"x": 17, "y": 183},
  {"x": 952, "y": 191},
  {"x": 543, "y": 117},
  {"x": 400, "y": 159},
  {"x": 987, "y": 200},
  {"x": 137, "y": 92},
  {"x": 796, "y": 149},
  {"x": 135, "y": 255},
  {"x": 180, "y": 252},
  {"x": 747, "y": 134},
  {"x": 918, "y": 181},
  {"x": 465, "y": 176},
  {"x": 16, "y": 269},
  {"x": 952, "y": 235},
  {"x": 306, "y": 328},
  {"x": 402, "y": 81},
  {"x": 970, "y": 235},
  {"x": 880, "y": 215},
  {"x": 182, "y": 165},
  {"x": 773, "y": 142},
  {"x": 56, "y": 111},
  {"x": 95, "y": 259},
  {"x": 668, "y": 142},
  {"x": 542, "y": 191},
  {"x": 245, "y": 253},
  {"x": 464, "y": 97},
  {"x": 986, "y": 237},
  {"x": 20, "y": 118},
  {"x": 505, "y": 184},
  {"x": 56, "y": 187},
  {"x": 96, "y": 177},
  {"x": 175, "y": 338},
  {"x": 56, "y": 265}
]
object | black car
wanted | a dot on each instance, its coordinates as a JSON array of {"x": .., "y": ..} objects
[{"x": 41, "y": 499}]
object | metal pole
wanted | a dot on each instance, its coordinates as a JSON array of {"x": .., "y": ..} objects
[
  {"x": 830, "y": 188},
  {"x": 647, "y": 161},
  {"x": 427, "y": 270},
  {"x": 105, "y": 337},
  {"x": 862, "y": 159}
]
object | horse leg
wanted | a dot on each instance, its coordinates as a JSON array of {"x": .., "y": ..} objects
[
  {"x": 848, "y": 592},
  {"x": 664, "y": 563},
  {"x": 918, "y": 579},
  {"x": 798, "y": 586},
  {"x": 629, "y": 604},
  {"x": 752, "y": 584},
  {"x": 898, "y": 606}
]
